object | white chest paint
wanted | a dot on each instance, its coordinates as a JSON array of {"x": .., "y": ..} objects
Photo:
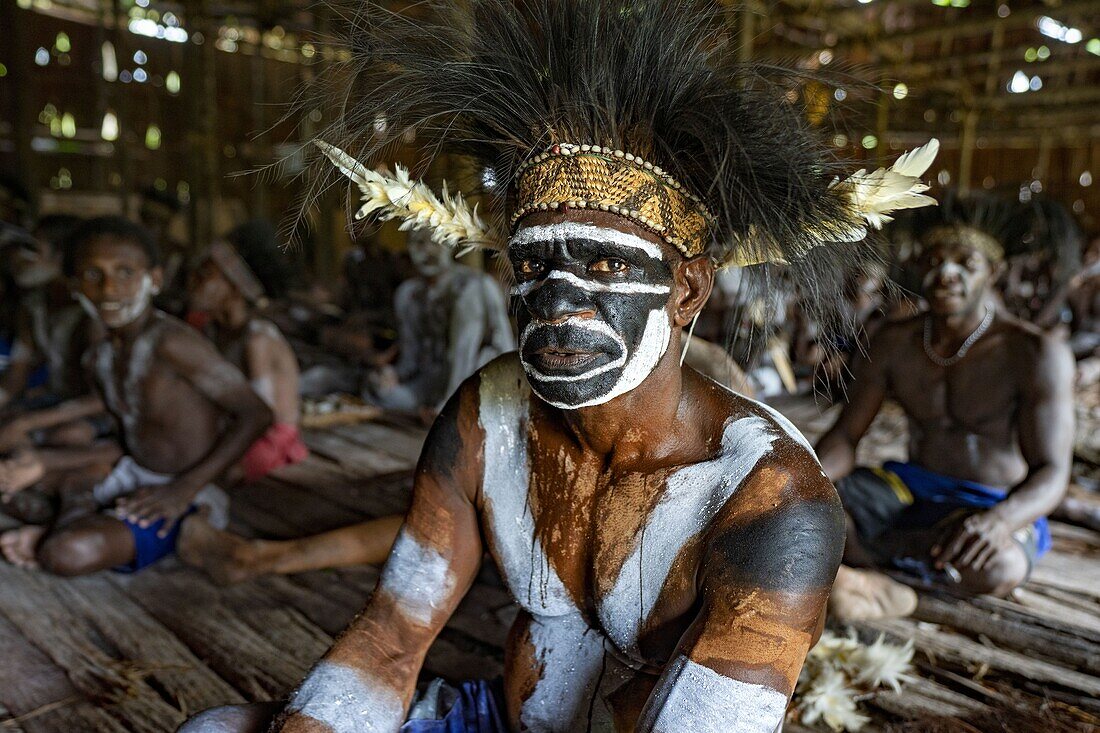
[
  {"x": 693, "y": 496},
  {"x": 505, "y": 404},
  {"x": 127, "y": 405}
]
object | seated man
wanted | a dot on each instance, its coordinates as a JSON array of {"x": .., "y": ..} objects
[
  {"x": 184, "y": 413},
  {"x": 989, "y": 405},
  {"x": 670, "y": 543},
  {"x": 451, "y": 320},
  {"x": 224, "y": 288}
]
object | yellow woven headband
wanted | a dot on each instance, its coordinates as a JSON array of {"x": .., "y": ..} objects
[{"x": 594, "y": 177}]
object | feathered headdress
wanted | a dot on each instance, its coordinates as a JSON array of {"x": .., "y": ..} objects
[{"x": 637, "y": 108}]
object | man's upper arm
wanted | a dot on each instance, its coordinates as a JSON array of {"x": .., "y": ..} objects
[
  {"x": 197, "y": 361},
  {"x": 1046, "y": 412},
  {"x": 767, "y": 576},
  {"x": 866, "y": 392},
  {"x": 366, "y": 680}
]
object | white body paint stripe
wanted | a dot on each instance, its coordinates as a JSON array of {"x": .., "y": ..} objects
[
  {"x": 503, "y": 414},
  {"x": 592, "y": 286},
  {"x": 574, "y": 230},
  {"x": 691, "y": 697},
  {"x": 417, "y": 578},
  {"x": 693, "y": 496},
  {"x": 348, "y": 701},
  {"x": 570, "y": 655}
]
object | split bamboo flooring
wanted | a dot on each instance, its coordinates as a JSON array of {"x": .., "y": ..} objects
[{"x": 123, "y": 653}]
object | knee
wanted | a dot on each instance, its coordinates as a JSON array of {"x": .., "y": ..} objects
[
  {"x": 1005, "y": 571},
  {"x": 75, "y": 552},
  {"x": 253, "y": 718}
]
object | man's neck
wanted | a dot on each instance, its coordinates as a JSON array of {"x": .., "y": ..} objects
[
  {"x": 636, "y": 424},
  {"x": 127, "y": 334},
  {"x": 958, "y": 326},
  {"x": 233, "y": 315}
]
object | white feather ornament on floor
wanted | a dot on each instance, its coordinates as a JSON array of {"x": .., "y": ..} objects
[
  {"x": 449, "y": 218},
  {"x": 876, "y": 195},
  {"x": 839, "y": 670}
]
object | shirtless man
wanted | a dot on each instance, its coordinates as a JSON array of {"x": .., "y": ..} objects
[
  {"x": 989, "y": 405},
  {"x": 224, "y": 288},
  {"x": 451, "y": 320},
  {"x": 632, "y": 547},
  {"x": 185, "y": 415}
]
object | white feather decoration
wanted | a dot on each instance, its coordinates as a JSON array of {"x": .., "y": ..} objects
[
  {"x": 839, "y": 669},
  {"x": 876, "y": 195},
  {"x": 396, "y": 196}
]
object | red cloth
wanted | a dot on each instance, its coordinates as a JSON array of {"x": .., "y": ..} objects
[{"x": 280, "y": 446}]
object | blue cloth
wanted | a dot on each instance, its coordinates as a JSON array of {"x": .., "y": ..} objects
[
  {"x": 148, "y": 546},
  {"x": 477, "y": 709},
  {"x": 933, "y": 488},
  {"x": 37, "y": 378}
]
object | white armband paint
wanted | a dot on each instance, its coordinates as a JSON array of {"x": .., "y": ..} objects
[
  {"x": 348, "y": 701},
  {"x": 417, "y": 578},
  {"x": 691, "y": 697}
]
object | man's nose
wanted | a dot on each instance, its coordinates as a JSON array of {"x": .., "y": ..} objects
[{"x": 556, "y": 300}]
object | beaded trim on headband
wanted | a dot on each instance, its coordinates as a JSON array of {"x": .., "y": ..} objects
[
  {"x": 967, "y": 236},
  {"x": 594, "y": 177}
]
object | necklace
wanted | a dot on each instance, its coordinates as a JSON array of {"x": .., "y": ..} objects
[{"x": 987, "y": 321}]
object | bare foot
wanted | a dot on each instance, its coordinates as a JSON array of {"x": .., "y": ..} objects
[
  {"x": 19, "y": 545},
  {"x": 861, "y": 595},
  {"x": 227, "y": 558},
  {"x": 23, "y": 469}
]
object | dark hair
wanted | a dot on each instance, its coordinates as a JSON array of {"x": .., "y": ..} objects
[
  {"x": 257, "y": 243},
  {"x": 108, "y": 226},
  {"x": 56, "y": 228}
]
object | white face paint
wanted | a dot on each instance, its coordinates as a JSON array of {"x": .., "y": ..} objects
[
  {"x": 348, "y": 700},
  {"x": 118, "y": 314},
  {"x": 417, "y": 578},
  {"x": 691, "y": 697},
  {"x": 575, "y": 360}
]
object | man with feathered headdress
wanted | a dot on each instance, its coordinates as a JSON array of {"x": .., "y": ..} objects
[
  {"x": 671, "y": 544},
  {"x": 988, "y": 401}
]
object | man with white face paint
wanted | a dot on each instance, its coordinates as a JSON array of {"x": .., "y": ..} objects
[
  {"x": 185, "y": 416},
  {"x": 670, "y": 544}
]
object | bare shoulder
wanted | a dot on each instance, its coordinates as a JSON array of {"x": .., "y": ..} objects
[
  {"x": 894, "y": 333},
  {"x": 1035, "y": 352},
  {"x": 181, "y": 344},
  {"x": 264, "y": 336}
]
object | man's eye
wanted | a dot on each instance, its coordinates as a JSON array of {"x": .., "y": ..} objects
[
  {"x": 91, "y": 276},
  {"x": 609, "y": 265},
  {"x": 125, "y": 273},
  {"x": 529, "y": 268}
]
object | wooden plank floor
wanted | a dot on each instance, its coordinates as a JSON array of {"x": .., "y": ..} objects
[{"x": 140, "y": 653}]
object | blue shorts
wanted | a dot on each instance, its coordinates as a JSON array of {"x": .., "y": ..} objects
[
  {"x": 148, "y": 546},
  {"x": 477, "y": 708}
]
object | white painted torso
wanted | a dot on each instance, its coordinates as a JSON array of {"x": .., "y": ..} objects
[{"x": 692, "y": 497}]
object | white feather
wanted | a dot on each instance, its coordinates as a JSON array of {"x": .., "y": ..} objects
[
  {"x": 397, "y": 196},
  {"x": 874, "y": 196}
]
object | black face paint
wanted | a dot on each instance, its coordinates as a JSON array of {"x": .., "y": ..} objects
[{"x": 591, "y": 311}]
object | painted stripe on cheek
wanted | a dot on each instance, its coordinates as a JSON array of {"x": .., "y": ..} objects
[
  {"x": 417, "y": 578},
  {"x": 698, "y": 699},
  {"x": 347, "y": 701}
]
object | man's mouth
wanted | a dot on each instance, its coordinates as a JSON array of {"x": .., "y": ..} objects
[{"x": 561, "y": 358}]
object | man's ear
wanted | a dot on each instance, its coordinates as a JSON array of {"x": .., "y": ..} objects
[
  {"x": 694, "y": 280},
  {"x": 157, "y": 276}
]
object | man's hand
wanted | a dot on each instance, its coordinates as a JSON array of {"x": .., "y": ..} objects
[
  {"x": 974, "y": 542},
  {"x": 23, "y": 469},
  {"x": 148, "y": 505}
]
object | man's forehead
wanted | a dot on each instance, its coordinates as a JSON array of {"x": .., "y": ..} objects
[{"x": 580, "y": 232}]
